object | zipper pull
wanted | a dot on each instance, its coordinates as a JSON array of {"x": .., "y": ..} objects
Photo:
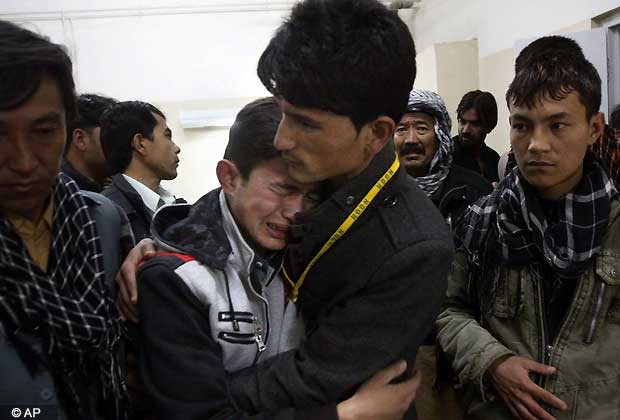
[
  {"x": 548, "y": 351},
  {"x": 259, "y": 342},
  {"x": 258, "y": 336}
]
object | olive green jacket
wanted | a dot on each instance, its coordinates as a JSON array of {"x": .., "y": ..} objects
[{"x": 586, "y": 350}]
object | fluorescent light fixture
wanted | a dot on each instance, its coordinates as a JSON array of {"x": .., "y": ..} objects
[{"x": 204, "y": 118}]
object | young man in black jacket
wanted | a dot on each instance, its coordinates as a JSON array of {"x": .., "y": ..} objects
[
  {"x": 139, "y": 149},
  {"x": 369, "y": 265},
  {"x": 214, "y": 301}
]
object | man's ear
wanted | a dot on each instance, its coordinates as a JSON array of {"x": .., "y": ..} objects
[
  {"x": 138, "y": 144},
  {"x": 80, "y": 140},
  {"x": 380, "y": 132},
  {"x": 228, "y": 175},
  {"x": 597, "y": 127}
]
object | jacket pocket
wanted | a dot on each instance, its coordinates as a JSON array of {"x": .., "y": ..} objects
[
  {"x": 237, "y": 338},
  {"x": 506, "y": 299}
]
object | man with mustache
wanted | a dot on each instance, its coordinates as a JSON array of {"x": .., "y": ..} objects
[
  {"x": 138, "y": 147},
  {"x": 531, "y": 321},
  {"x": 425, "y": 149},
  {"x": 477, "y": 117}
]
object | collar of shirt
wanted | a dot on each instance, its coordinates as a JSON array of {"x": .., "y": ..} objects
[
  {"x": 37, "y": 235},
  {"x": 150, "y": 197}
]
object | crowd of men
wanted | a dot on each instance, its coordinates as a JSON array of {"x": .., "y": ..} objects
[{"x": 356, "y": 262}]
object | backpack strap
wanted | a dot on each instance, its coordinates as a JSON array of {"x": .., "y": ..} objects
[{"x": 108, "y": 221}]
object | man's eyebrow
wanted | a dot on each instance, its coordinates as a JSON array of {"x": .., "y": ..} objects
[
  {"x": 556, "y": 116},
  {"x": 288, "y": 187},
  {"x": 49, "y": 117},
  {"x": 520, "y": 117},
  {"x": 302, "y": 118}
]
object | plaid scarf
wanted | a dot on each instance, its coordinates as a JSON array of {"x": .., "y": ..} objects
[
  {"x": 523, "y": 233},
  {"x": 68, "y": 306},
  {"x": 430, "y": 103}
]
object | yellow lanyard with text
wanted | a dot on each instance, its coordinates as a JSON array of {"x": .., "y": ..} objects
[{"x": 344, "y": 227}]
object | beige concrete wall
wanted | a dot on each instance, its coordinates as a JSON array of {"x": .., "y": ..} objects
[
  {"x": 496, "y": 73},
  {"x": 426, "y": 63},
  {"x": 457, "y": 73},
  {"x": 201, "y": 148}
]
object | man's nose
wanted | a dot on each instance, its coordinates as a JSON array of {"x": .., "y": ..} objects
[
  {"x": 284, "y": 139},
  {"x": 293, "y": 205},
  {"x": 22, "y": 158}
]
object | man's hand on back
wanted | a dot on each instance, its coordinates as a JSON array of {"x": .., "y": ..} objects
[{"x": 126, "y": 279}]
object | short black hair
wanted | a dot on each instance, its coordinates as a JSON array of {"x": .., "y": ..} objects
[
  {"x": 485, "y": 106},
  {"x": 547, "y": 45},
  {"x": 90, "y": 108},
  {"x": 119, "y": 124},
  {"x": 351, "y": 57},
  {"x": 26, "y": 59},
  {"x": 250, "y": 141},
  {"x": 554, "y": 67},
  {"x": 614, "y": 119}
]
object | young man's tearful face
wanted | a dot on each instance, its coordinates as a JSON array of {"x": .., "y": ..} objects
[
  {"x": 32, "y": 139},
  {"x": 550, "y": 141},
  {"x": 265, "y": 203}
]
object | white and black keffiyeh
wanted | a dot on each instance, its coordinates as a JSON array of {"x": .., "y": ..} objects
[
  {"x": 432, "y": 104},
  {"x": 523, "y": 232},
  {"x": 69, "y": 305}
]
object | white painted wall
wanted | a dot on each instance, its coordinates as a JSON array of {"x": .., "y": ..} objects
[
  {"x": 498, "y": 25},
  {"x": 176, "y": 56},
  {"x": 183, "y": 54}
]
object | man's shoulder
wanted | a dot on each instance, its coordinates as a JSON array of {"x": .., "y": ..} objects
[
  {"x": 459, "y": 175},
  {"x": 409, "y": 216},
  {"x": 122, "y": 193}
]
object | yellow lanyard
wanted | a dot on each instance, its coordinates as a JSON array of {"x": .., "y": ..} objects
[{"x": 345, "y": 226}]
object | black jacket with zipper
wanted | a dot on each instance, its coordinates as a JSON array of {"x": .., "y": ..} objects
[{"x": 369, "y": 301}]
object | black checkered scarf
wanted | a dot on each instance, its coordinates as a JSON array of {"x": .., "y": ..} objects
[
  {"x": 523, "y": 233},
  {"x": 69, "y": 306}
]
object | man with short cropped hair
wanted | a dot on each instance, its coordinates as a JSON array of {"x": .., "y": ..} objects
[
  {"x": 138, "y": 147},
  {"x": 529, "y": 323},
  {"x": 477, "y": 117},
  {"x": 84, "y": 161},
  {"x": 368, "y": 265},
  {"x": 224, "y": 253}
]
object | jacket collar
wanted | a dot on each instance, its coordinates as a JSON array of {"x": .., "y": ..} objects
[
  {"x": 348, "y": 196},
  {"x": 208, "y": 232},
  {"x": 311, "y": 229},
  {"x": 197, "y": 230},
  {"x": 131, "y": 195},
  {"x": 84, "y": 182}
]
